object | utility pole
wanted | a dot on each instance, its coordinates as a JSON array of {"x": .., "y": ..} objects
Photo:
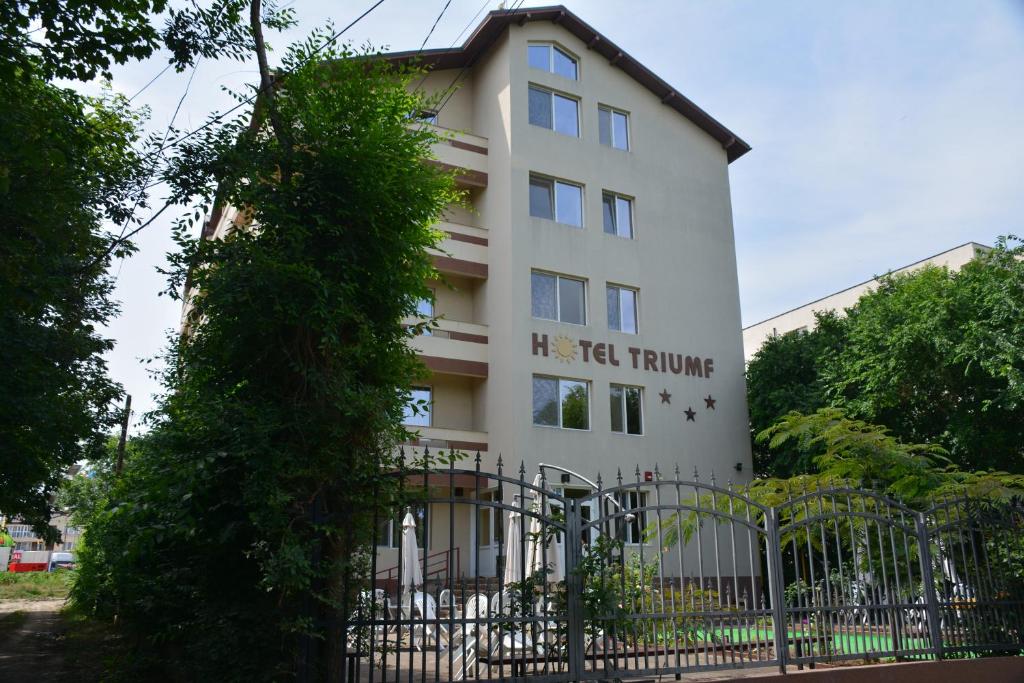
[{"x": 124, "y": 434}]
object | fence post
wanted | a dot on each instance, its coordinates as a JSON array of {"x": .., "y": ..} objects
[
  {"x": 931, "y": 600},
  {"x": 574, "y": 590},
  {"x": 776, "y": 587}
]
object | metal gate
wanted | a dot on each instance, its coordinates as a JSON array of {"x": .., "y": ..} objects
[{"x": 668, "y": 576}]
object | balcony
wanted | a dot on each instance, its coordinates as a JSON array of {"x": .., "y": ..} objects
[
  {"x": 446, "y": 438},
  {"x": 465, "y": 152},
  {"x": 454, "y": 348},
  {"x": 463, "y": 252}
]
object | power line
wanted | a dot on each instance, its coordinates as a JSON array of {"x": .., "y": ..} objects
[
  {"x": 151, "y": 82},
  {"x": 431, "y": 31},
  {"x": 470, "y": 23},
  {"x": 216, "y": 119},
  {"x": 450, "y": 90}
]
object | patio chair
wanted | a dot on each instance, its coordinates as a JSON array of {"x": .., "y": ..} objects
[
  {"x": 426, "y": 609},
  {"x": 445, "y": 601},
  {"x": 477, "y": 609},
  {"x": 373, "y": 608}
]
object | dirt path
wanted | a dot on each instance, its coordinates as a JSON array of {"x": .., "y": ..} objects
[{"x": 30, "y": 651}]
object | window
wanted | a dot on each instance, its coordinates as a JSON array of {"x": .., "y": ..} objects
[
  {"x": 554, "y": 112},
  {"x": 419, "y": 408},
  {"x": 389, "y": 531},
  {"x": 634, "y": 529},
  {"x": 554, "y": 297},
  {"x": 618, "y": 214},
  {"x": 552, "y": 59},
  {"x": 425, "y": 309},
  {"x": 488, "y": 525},
  {"x": 561, "y": 403},
  {"x": 613, "y": 127},
  {"x": 556, "y": 200},
  {"x": 622, "y": 309},
  {"x": 627, "y": 409}
]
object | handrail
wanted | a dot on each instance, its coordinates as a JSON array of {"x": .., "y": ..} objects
[{"x": 441, "y": 560}]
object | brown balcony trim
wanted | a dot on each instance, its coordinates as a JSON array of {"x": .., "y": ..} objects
[
  {"x": 467, "y": 337},
  {"x": 459, "y": 237},
  {"x": 460, "y": 266},
  {"x": 464, "y": 176},
  {"x": 458, "y": 144},
  {"x": 455, "y": 366}
]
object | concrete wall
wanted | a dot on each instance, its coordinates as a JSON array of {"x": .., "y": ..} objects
[{"x": 802, "y": 317}]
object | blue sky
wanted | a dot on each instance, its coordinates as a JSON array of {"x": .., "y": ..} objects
[{"x": 883, "y": 132}]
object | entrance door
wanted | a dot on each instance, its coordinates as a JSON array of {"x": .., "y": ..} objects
[
  {"x": 588, "y": 512},
  {"x": 488, "y": 525}
]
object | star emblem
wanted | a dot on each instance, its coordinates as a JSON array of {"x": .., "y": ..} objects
[
  {"x": 690, "y": 414},
  {"x": 709, "y": 403},
  {"x": 665, "y": 396}
]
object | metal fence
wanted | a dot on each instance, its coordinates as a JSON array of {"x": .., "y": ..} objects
[{"x": 655, "y": 576}]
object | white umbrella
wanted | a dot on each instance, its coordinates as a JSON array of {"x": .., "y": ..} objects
[
  {"x": 410, "y": 570},
  {"x": 513, "y": 554},
  {"x": 542, "y": 553}
]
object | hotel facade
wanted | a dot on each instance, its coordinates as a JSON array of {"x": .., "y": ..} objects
[{"x": 588, "y": 308}]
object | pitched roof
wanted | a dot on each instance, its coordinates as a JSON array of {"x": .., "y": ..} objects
[{"x": 495, "y": 23}]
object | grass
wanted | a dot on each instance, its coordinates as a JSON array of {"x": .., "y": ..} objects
[{"x": 35, "y": 585}]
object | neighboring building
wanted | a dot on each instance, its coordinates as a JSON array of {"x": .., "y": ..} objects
[
  {"x": 26, "y": 539},
  {"x": 594, "y": 321},
  {"x": 802, "y": 317}
]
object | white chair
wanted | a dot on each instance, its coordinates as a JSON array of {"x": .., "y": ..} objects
[
  {"x": 477, "y": 610},
  {"x": 372, "y": 608},
  {"x": 444, "y": 600},
  {"x": 426, "y": 609}
]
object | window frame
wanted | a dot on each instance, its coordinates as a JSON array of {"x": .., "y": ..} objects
[
  {"x": 558, "y": 297},
  {"x": 558, "y": 392},
  {"x": 622, "y": 407},
  {"x": 639, "y": 524},
  {"x": 615, "y": 197},
  {"x": 552, "y": 94},
  {"x": 430, "y": 406},
  {"x": 392, "y": 538},
  {"x": 552, "y": 46},
  {"x": 609, "y": 286},
  {"x": 612, "y": 111},
  {"x": 553, "y": 194}
]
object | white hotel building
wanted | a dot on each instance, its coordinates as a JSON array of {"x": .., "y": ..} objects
[{"x": 589, "y": 315}]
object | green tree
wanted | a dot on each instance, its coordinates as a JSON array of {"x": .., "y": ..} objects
[
  {"x": 67, "y": 165},
  {"x": 237, "y": 527},
  {"x": 784, "y": 376},
  {"x": 81, "y": 40},
  {"x": 938, "y": 357}
]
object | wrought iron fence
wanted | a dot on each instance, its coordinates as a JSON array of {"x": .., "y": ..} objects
[{"x": 654, "y": 576}]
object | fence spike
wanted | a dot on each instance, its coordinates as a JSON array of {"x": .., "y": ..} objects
[
  {"x": 696, "y": 474},
  {"x": 522, "y": 470},
  {"x": 478, "y": 460},
  {"x": 677, "y": 471},
  {"x": 618, "y": 477},
  {"x": 638, "y": 473},
  {"x": 713, "y": 482},
  {"x": 657, "y": 474}
]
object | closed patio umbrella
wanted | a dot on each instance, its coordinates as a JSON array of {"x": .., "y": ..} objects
[
  {"x": 542, "y": 553},
  {"x": 513, "y": 552},
  {"x": 411, "y": 575}
]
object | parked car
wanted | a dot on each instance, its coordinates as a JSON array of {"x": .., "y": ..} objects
[{"x": 62, "y": 561}]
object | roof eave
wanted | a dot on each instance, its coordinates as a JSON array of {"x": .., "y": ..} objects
[{"x": 495, "y": 23}]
